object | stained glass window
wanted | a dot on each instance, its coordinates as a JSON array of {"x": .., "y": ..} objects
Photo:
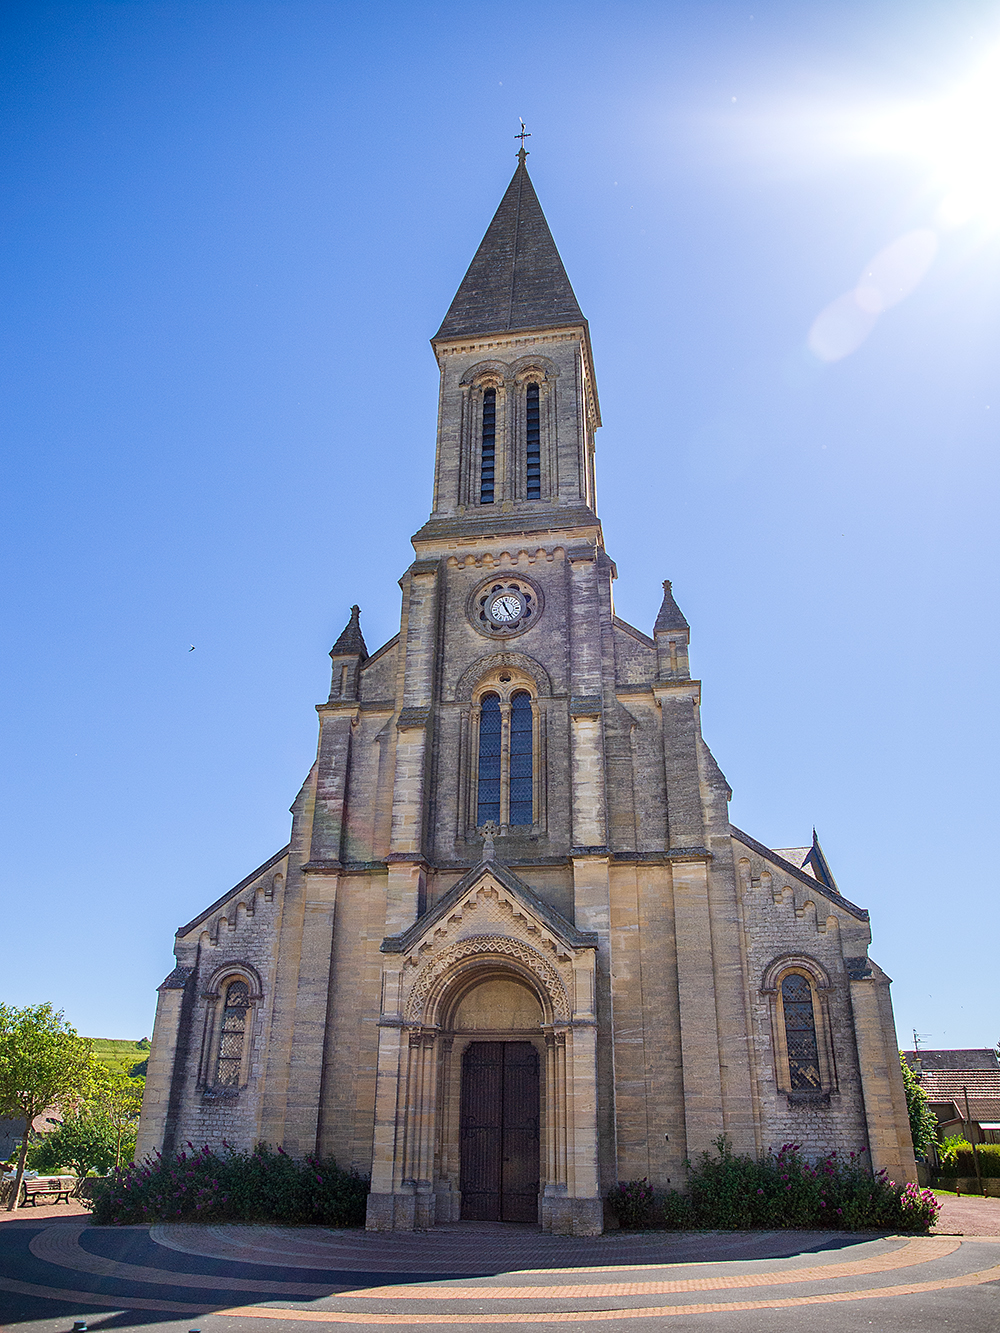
[
  {"x": 232, "y": 1035},
  {"x": 520, "y": 758},
  {"x": 800, "y": 1034},
  {"x": 489, "y": 761}
]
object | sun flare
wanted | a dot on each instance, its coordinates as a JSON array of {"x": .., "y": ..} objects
[{"x": 958, "y": 137}]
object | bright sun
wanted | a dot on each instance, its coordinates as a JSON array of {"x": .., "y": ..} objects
[{"x": 958, "y": 136}]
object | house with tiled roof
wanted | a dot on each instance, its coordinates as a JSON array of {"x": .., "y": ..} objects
[{"x": 963, "y": 1090}]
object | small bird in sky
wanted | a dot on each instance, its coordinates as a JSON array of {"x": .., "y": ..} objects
[{"x": 191, "y": 649}]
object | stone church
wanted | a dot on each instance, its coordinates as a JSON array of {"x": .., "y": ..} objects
[{"x": 514, "y": 951}]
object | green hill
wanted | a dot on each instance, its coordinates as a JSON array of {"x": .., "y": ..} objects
[{"x": 117, "y": 1054}]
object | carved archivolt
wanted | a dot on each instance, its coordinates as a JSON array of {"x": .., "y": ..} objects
[
  {"x": 471, "y": 675},
  {"x": 434, "y": 975}
]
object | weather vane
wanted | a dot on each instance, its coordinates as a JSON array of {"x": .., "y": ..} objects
[{"x": 522, "y": 152}]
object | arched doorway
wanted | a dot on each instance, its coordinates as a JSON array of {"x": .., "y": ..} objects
[{"x": 497, "y": 1025}]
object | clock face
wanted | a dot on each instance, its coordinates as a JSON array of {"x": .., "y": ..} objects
[
  {"x": 501, "y": 608},
  {"x": 506, "y": 608}
]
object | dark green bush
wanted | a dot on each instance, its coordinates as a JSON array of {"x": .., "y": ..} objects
[
  {"x": 259, "y": 1186},
  {"x": 732, "y": 1192}
]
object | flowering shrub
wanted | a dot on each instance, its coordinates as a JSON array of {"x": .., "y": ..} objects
[
  {"x": 634, "y": 1204},
  {"x": 782, "y": 1189},
  {"x": 260, "y": 1186}
]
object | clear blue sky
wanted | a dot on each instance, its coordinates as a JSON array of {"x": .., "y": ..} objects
[{"x": 231, "y": 228}]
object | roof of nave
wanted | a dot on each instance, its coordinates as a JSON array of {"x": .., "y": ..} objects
[
  {"x": 231, "y": 893},
  {"x": 517, "y": 279},
  {"x": 803, "y": 876},
  {"x": 812, "y": 860}
]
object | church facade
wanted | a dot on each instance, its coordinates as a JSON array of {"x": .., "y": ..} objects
[{"x": 515, "y": 952}]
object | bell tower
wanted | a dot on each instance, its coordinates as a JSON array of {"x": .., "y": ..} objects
[{"x": 518, "y": 403}]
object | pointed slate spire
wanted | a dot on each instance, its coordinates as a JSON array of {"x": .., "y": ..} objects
[
  {"x": 351, "y": 642},
  {"x": 671, "y": 635},
  {"x": 671, "y": 616},
  {"x": 517, "y": 279},
  {"x": 820, "y": 865}
]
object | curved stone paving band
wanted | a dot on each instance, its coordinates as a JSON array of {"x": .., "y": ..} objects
[{"x": 60, "y": 1247}]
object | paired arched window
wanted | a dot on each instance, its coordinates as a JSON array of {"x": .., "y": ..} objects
[
  {"x": 488, "y": 455},
  {"x": 509, "y": 442},
  {"x": 800, "y": 1034},
  {"x": 506, "y": 760},
  {"x": 232, "y": 1035}
]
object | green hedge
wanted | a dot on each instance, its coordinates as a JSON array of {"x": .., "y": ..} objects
[
  {"x": 962, "y": 1162},
  {"x": 737, "y": 1193},
  {"x": 260, "y": 1186}
]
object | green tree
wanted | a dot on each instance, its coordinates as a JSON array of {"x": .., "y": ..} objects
[
  {"x": 923, "y": 1124},
  {"x": 42, "y": 1061},
  {"x": 116, "y": 1097},
  {"x": 85, "y": 1142}
]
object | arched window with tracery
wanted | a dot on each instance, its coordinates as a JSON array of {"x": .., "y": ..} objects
[
  {"x": 800, "y": 1034},
  {"x": 232, "y": 1034},
  {"x": 490, "y": 741},
  {"x": 805, "y": 1063}
]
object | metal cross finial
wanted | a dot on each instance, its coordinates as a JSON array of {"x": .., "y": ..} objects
[{"x": 522, "y": 152}]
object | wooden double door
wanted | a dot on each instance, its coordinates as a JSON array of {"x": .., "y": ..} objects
[{"x": 499, "y": 1132}]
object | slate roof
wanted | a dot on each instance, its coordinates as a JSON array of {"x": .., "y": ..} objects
[
  {"x": 945, "y": 1085},
  {"x": 517, "y": 279},
  {"x": 978, "y": 1057},
  {"x": 812, "y": 860},
  {"x": 351, "y": 642},
  {"x": 670, "y": 615}
]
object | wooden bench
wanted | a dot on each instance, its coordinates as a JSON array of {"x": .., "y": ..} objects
[{"x": 33, "y": 1189}]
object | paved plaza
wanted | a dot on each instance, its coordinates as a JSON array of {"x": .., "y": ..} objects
[{"x": 56, "y": 1268}]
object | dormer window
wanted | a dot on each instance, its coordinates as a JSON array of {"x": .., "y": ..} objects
[
  {"x": 533, "y": 448},
  {"x": 487, "y": 468}
]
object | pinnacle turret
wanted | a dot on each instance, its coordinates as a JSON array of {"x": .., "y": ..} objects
[
  {"x": 351, "y": 642},
  {"x": 671, "y": 633},
  {"x": 671, "y": 616}
]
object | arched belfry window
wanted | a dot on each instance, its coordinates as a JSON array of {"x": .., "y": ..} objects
[
  {"x": 521, "y": 747},
  {"x": 488, "y": 455},
  {"x": 232, "y": 1035},
  {"x": 533, "y": 446},
  {"x": 800, "y": 1034},
  {"x": 490, "y": 741}
]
